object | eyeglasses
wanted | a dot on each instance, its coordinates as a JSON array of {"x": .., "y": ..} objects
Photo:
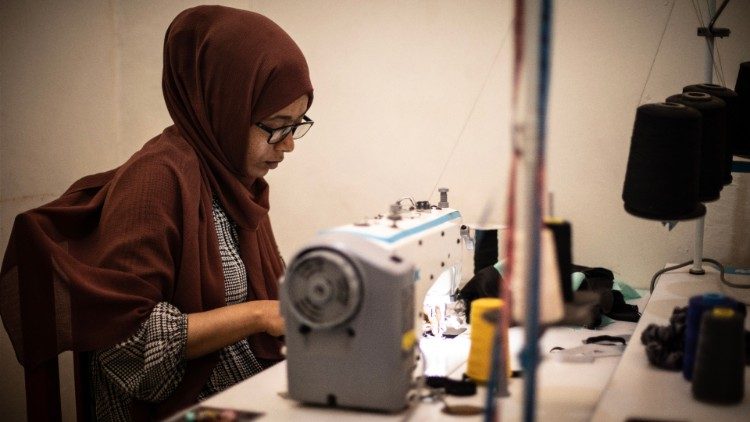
[{"x": 298, "y": 130}]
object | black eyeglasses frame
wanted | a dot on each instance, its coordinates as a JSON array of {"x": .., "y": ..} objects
[{"x": 286, "y": 130}]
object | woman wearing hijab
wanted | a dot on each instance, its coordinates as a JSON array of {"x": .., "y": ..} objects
[{"x": 166, "y": 268}]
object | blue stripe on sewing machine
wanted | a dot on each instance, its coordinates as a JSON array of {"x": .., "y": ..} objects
[{"x": 401, "y": 234}]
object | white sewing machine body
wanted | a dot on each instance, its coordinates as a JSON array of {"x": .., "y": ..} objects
[
  {"x": 429, "y": 239},
  {"x": 352, "y": 300}
]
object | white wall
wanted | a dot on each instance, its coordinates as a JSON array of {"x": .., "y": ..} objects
[{"x": 410, "y": 95}]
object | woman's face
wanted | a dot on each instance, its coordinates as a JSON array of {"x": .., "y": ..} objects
[{"x": 262, "y": 156}]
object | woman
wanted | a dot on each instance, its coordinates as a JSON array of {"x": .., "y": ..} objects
[{"x": 166, "y": 267}]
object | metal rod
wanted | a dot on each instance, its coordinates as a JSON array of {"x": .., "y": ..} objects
[
  {"x": 709, "y": 77},
  {"x": 709, "y": 69},
  {"x": 698, "y": 250},
  {"x": 716, "y": 15}
]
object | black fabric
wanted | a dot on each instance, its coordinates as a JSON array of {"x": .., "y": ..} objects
[
  {"x": 611, "y": 302},
  {"x": 665, "y": 345},
  {"x": 621, "y": 311},
  {"x": 453, "y": 387},
  {"x": 485, "y": 283},
  {"x": 595, "y": 278},
  {"x": 605, "y": 339},
  {"x": 485, "y": 249}
]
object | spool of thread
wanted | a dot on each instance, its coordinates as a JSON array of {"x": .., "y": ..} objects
[
  {"x": 719, "y": 375},
  {"x": 551, "y": 304},
  {"x": 697, "y": 306},
  {"x": 563, "y": 247},
  {"x": 742, "y": 88},
  {"x": 713, "y": 141},
  {"x": 733, "y": 121},
  {"x": 661, "y": 181},
  {"x": 479, "y": 363},
  {"x": 485, "y": 248}
]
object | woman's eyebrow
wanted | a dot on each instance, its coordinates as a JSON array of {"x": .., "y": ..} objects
[{"x": 284, "y": 118}]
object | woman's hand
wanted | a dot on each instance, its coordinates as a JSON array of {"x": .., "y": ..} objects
[
  {"x": 273, "y": 321},
  {"x": 213, "y": 330}
]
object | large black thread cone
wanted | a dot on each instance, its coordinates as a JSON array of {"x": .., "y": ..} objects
[
  {"x": 719, "y": 371},
  {"x": 742, "y": 88},
  {"x": 713, "y": 141},
  {"x": 661, "y": 181},
  {"x": 733, "y": 122}
]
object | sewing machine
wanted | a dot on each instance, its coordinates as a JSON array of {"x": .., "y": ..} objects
[{"x": 354, "y": 300}]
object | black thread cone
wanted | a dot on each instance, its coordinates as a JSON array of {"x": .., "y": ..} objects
[
  {"x": 661, "y": 181},
  {"x": 564, "y": 251},
  {"x": 742, "y": 88},
  {"x": 719, "y": 372},
  {"x": 713, "y": 141},
  {"x": 733, "y": 122}
]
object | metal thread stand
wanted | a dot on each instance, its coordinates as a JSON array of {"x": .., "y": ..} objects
[{"x": 709, "y": 33}]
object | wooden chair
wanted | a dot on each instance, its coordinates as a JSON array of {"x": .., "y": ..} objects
[
  {"x": 43, "y": 402},
  {"x": 39, "y": 329}
]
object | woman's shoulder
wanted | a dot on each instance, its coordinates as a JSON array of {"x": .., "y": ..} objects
[
  {"x": 168, "y": 158},
  {"x": 168, "y": 149}
]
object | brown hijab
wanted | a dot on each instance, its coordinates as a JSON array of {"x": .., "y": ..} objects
[{"x": 84, "y": 271}]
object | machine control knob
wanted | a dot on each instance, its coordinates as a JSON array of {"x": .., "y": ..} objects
[{"x": 423, "y": 205}]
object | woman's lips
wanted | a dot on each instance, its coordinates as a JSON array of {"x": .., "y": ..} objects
[{"x": 272, "y": 164}]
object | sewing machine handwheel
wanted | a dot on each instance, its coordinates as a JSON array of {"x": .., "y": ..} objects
[{"x": 324, "y": 288}]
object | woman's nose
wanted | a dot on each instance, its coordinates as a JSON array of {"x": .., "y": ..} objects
[{"x": 286, "y": 144}]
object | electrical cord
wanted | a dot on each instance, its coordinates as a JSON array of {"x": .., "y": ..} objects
[
  {"x": 664, "y": 270},
  {"x": 718, "y": 265},
  {"x": 714, "y": 262}
]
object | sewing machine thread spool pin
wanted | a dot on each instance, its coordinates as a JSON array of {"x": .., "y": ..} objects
[
  {"x": 443, "y": 198},
  {"x": 395, "y": 214}
]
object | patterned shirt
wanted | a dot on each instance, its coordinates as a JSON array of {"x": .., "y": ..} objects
[{"x": 150, "y": 364}]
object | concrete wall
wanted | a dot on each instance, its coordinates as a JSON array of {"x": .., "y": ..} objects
[{"x": 410, "y": 95}]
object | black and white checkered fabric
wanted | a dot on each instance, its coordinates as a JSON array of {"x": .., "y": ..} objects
[
  {"x": 150, "y": 364},
  {"x": 237, "y": 361}
]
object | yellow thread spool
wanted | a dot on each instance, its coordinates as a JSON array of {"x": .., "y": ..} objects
[{"x": 482, "y": 334}]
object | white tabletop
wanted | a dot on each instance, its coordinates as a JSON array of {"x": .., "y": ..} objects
[
  {"x": 639, "y": 390},
  {"x": 567, "y": 391}
]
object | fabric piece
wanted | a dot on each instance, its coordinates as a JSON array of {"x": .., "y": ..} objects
[
  {"x": 628, "y": 292},
  {"x": 97, "y": 260},
  {"x": 612, "y": 300},
  {"x": 485, "y": 283},
  {"x": 577, "y": 280},
  {"x": 665, "y": 345}
]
